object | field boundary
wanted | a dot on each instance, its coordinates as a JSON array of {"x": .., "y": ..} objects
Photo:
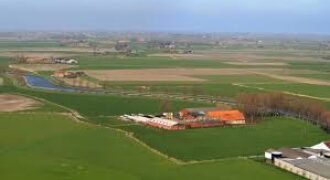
[{"x": 285, "y": 92}]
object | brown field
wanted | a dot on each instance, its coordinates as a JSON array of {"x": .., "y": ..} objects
[
  {"x": 243, "y": 56},
  {"x": 180, "y": 56},
  {"x": 79, "y": 82},
  {"x": 180, "y": 74},
  {"x": 41, "y": 67},
  {"x": 12, "y": 103},
  {"x": 296, "y": 79},
  {"x": 257, "y": 63}
]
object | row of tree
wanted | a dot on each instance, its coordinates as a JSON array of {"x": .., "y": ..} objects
[{"x": 258, "y": 105}]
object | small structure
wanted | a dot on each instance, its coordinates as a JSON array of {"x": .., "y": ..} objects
[
  {"x": 68, "y": 74},
  {"x": 64, "y": 61}
]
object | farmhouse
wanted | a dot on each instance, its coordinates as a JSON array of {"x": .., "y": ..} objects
[
  {"x": 64, "y": 61},
  {"x": 67, "y": 74},
  {"x": 219, "y": 114},
  {"x": 309, "y": 162}
]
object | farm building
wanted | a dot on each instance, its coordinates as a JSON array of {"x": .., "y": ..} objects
[
  {"x": 67, "y": 74},
  {"x": 323, "y": 145},
  {"x": 193, "y": 113},
  {"x": 165, "y": 124},
  {"x": 156, "y": 122},
  {"x": 309, "y": 162},
  {"x": 64, "y": 61},
  {"x": 229, "y": 116},
  {"x": 222, "y": 114}
]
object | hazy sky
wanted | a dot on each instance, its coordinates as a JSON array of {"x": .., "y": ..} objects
[{"x": 302, "y": 16}]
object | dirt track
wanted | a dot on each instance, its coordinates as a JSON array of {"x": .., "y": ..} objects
[{"x": 12, "y": 103}]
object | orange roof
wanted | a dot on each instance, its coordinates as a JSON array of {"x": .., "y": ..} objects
[{"x": 231, "y": 115}]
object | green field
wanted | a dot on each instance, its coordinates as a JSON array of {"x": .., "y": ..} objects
[
  {"x": 105, "y": 105},
  {"x": 306, "y": 89},
  {"x": 112, "y": 62},
  {"x": 43, "y": 143},
  {"x": 215, "y": 143},
  {"x": 28, "y": 44},
  {"x": 55, "y": 147}
]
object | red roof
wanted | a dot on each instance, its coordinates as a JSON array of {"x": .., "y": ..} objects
[{"x": 231, "y": 115}]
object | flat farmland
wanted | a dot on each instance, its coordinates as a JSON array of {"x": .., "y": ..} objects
[
  {"x": 183, "y": 74},
  {"x": 178, "y": 74},
  {"x": 228, "y": 142},
  {"x": 305, "y": 89},
  {"x": 12, "y": 103},
  {"x": 108, "y": 105},
  {"x": 55, "y": 147},
  {"x": 41, "y": 67}
]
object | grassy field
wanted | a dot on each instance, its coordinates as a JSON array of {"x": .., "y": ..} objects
[
  {"x": 306, "y": 89},
  {"x": 41, "y": 144},
  {"x": 105, "y": 105},
  {"x": 28, "y": 44},
  {"x": 229, "y": 142},
  {"x": 112, "y": 62},
  {"x": 217, "y": 85},
  {"x": 55, "y": 147}
]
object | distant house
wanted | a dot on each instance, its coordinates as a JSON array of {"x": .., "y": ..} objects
[
  {"x": 67, "y": 74},
  {"x": 65, "y": 61},
  {"x": 59, "y": 74},
  {"x": 72, "y": 61}
]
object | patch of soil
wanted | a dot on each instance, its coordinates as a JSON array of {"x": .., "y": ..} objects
[{"x": 12, "y": 103}]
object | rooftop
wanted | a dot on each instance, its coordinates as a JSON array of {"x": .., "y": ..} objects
[
  {"x": 320, "y": 166},
  {"x": 293, "y": 153}
]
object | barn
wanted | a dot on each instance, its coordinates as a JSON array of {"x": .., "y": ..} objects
[{"x": 229, "y": 117}]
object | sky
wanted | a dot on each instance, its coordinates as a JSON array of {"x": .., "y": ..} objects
[{"x": 279, "y": 16}]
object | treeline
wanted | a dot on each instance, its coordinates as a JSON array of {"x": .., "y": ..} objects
[{"x": 258, "y": 105}]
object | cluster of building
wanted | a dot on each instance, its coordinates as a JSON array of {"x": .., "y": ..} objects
[
  {"x": 68, "y": 74},
  {"x": 309, "y": 162},
  {"x": 64, "y": 61},
  {"x": 190, "y": 118}
]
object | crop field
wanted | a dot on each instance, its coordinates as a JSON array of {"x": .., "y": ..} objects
[
  {"x": 25, "y": 44},
  {"x": 305, "y": 89},
  {"x": 217, "y": 143},
  {"x": 55, "y": 147},
  {"x": 109, "y": 105},
  {"x": 50, "y": 142}
]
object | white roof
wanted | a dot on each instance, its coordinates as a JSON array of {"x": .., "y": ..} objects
[
  {"x": 156, "y": 120},
  {"x": 322, "y": 146},
  {"x": 138, "y": 118},
  {"x": 164, "y": 122}
]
